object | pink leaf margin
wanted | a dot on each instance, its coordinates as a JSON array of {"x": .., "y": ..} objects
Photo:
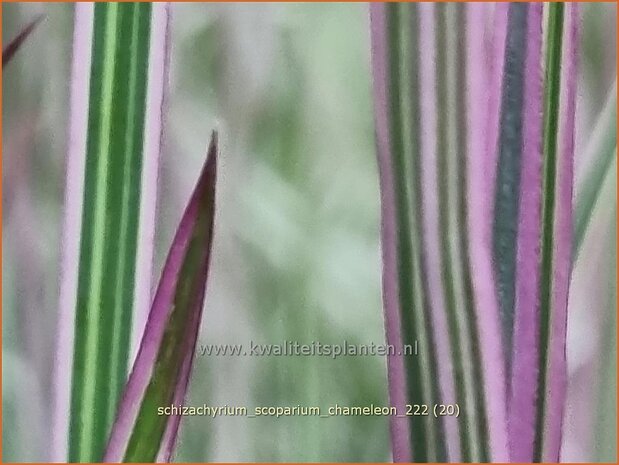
[{"x": 160, "y": 312}]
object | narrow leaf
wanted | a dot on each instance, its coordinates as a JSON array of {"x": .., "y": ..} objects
[
  {"x": 395, "y": 37},
  {"x": 110, "y": 199},
  {"x": 518, "y": 214},
  {"x": 484, "y": 87},
  {"x": 544, "y": 239},
  {"x": 163, "y": 365},
  {"x": 558, "y": 236},
  {"x": 9, "y": 51},
  {"x": 400, "y": 428}
]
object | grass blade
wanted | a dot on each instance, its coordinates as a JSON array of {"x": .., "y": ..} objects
[
  {"x": 114, "y": 144},
  {"x": 400, "y": 428},
  {"x": 543, "y": 240},
  {"x": 521, "y": 140},
  {"x": 395, "y": 36},
  {"x": 161, "y": 371},
  {"x": 9, "y": 51},
  {"x": 483, "y": 99},
  {"x": 559, "y": 267}
]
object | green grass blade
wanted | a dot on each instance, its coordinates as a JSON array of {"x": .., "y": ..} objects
[{"x": 114, "y": 143}]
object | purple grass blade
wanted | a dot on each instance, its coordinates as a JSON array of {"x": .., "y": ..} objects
[
  {"x": 431, "y": 222},
  {"x": 9, "y": 51},
  {"x": 557, "y": 372},
  {"x": 524, "y": 372},
  {"x": 158, "y": 378},
  {"x": 399, "y": 427},
  {"x": 544, "y": 240},
  {"x": 483, "y": 97}
]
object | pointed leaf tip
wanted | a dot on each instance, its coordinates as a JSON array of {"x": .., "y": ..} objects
[
  {"x": 9, "y": 51},
  {"x": 161, "y": 372},
  {"x": 210, "y": 167}
]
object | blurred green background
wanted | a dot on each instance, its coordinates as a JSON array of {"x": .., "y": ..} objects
[{"x": 296, "y": 251}]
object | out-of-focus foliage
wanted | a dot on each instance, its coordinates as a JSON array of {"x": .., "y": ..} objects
[
  {"x": 9, "y": 50},
  {"x": 296, "y": 254}
]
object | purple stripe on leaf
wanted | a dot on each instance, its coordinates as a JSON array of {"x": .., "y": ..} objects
[
  {"x": 400, "y": 432},
  {"x": 523, "y": 386}
]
